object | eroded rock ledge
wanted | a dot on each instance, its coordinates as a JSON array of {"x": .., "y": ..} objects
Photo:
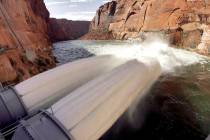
[{"x": 185, "y": 23}]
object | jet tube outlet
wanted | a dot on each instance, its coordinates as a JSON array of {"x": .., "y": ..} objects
[
  {"x": 41, "y": 91},
  {"x": 89, "y": 111},
  {"x": 11, "y": 107}
]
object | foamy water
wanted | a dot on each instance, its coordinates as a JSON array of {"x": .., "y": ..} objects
[{"x": 169, "y": 58}]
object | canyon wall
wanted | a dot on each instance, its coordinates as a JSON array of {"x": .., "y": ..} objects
[
  {"x": 63, "y": 29},
  {"x": 185, "y": 23},
  {"x": 25, "y": 48}
]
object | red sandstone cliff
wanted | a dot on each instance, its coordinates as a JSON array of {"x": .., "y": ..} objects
[
  {"x": 184, "y": 22},
  {"x": 62, "y": 29},
  {"x": 25, "y": 48}
]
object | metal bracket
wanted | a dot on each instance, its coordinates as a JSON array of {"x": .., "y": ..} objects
[
  {"x": 42, "y": 126},
  {"x": 1, "y": 137},
  {"x": 1, "y": 87}
]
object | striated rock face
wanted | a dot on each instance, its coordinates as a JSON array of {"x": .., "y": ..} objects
[
  {"x": 63, "y": 29},
  {"x": 104, "y": 16},
  {"x": 182, "y": 21},
  {"x": 25, "y": 48}
]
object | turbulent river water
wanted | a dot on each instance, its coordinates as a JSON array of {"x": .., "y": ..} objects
[{"x": 176, "y": 107}]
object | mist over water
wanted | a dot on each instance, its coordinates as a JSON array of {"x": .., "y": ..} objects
[{"x": 177, "y": 106}]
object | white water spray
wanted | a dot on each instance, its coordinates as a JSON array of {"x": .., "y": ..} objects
[{"x": 168, "y": 57}]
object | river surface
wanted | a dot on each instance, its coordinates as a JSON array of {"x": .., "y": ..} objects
[{"x": 177, "y": 107}]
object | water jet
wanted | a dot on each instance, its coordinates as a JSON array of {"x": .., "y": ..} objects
[
  {"x": 42, "y": 90},
  {"x": 89, "y": 111}
]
